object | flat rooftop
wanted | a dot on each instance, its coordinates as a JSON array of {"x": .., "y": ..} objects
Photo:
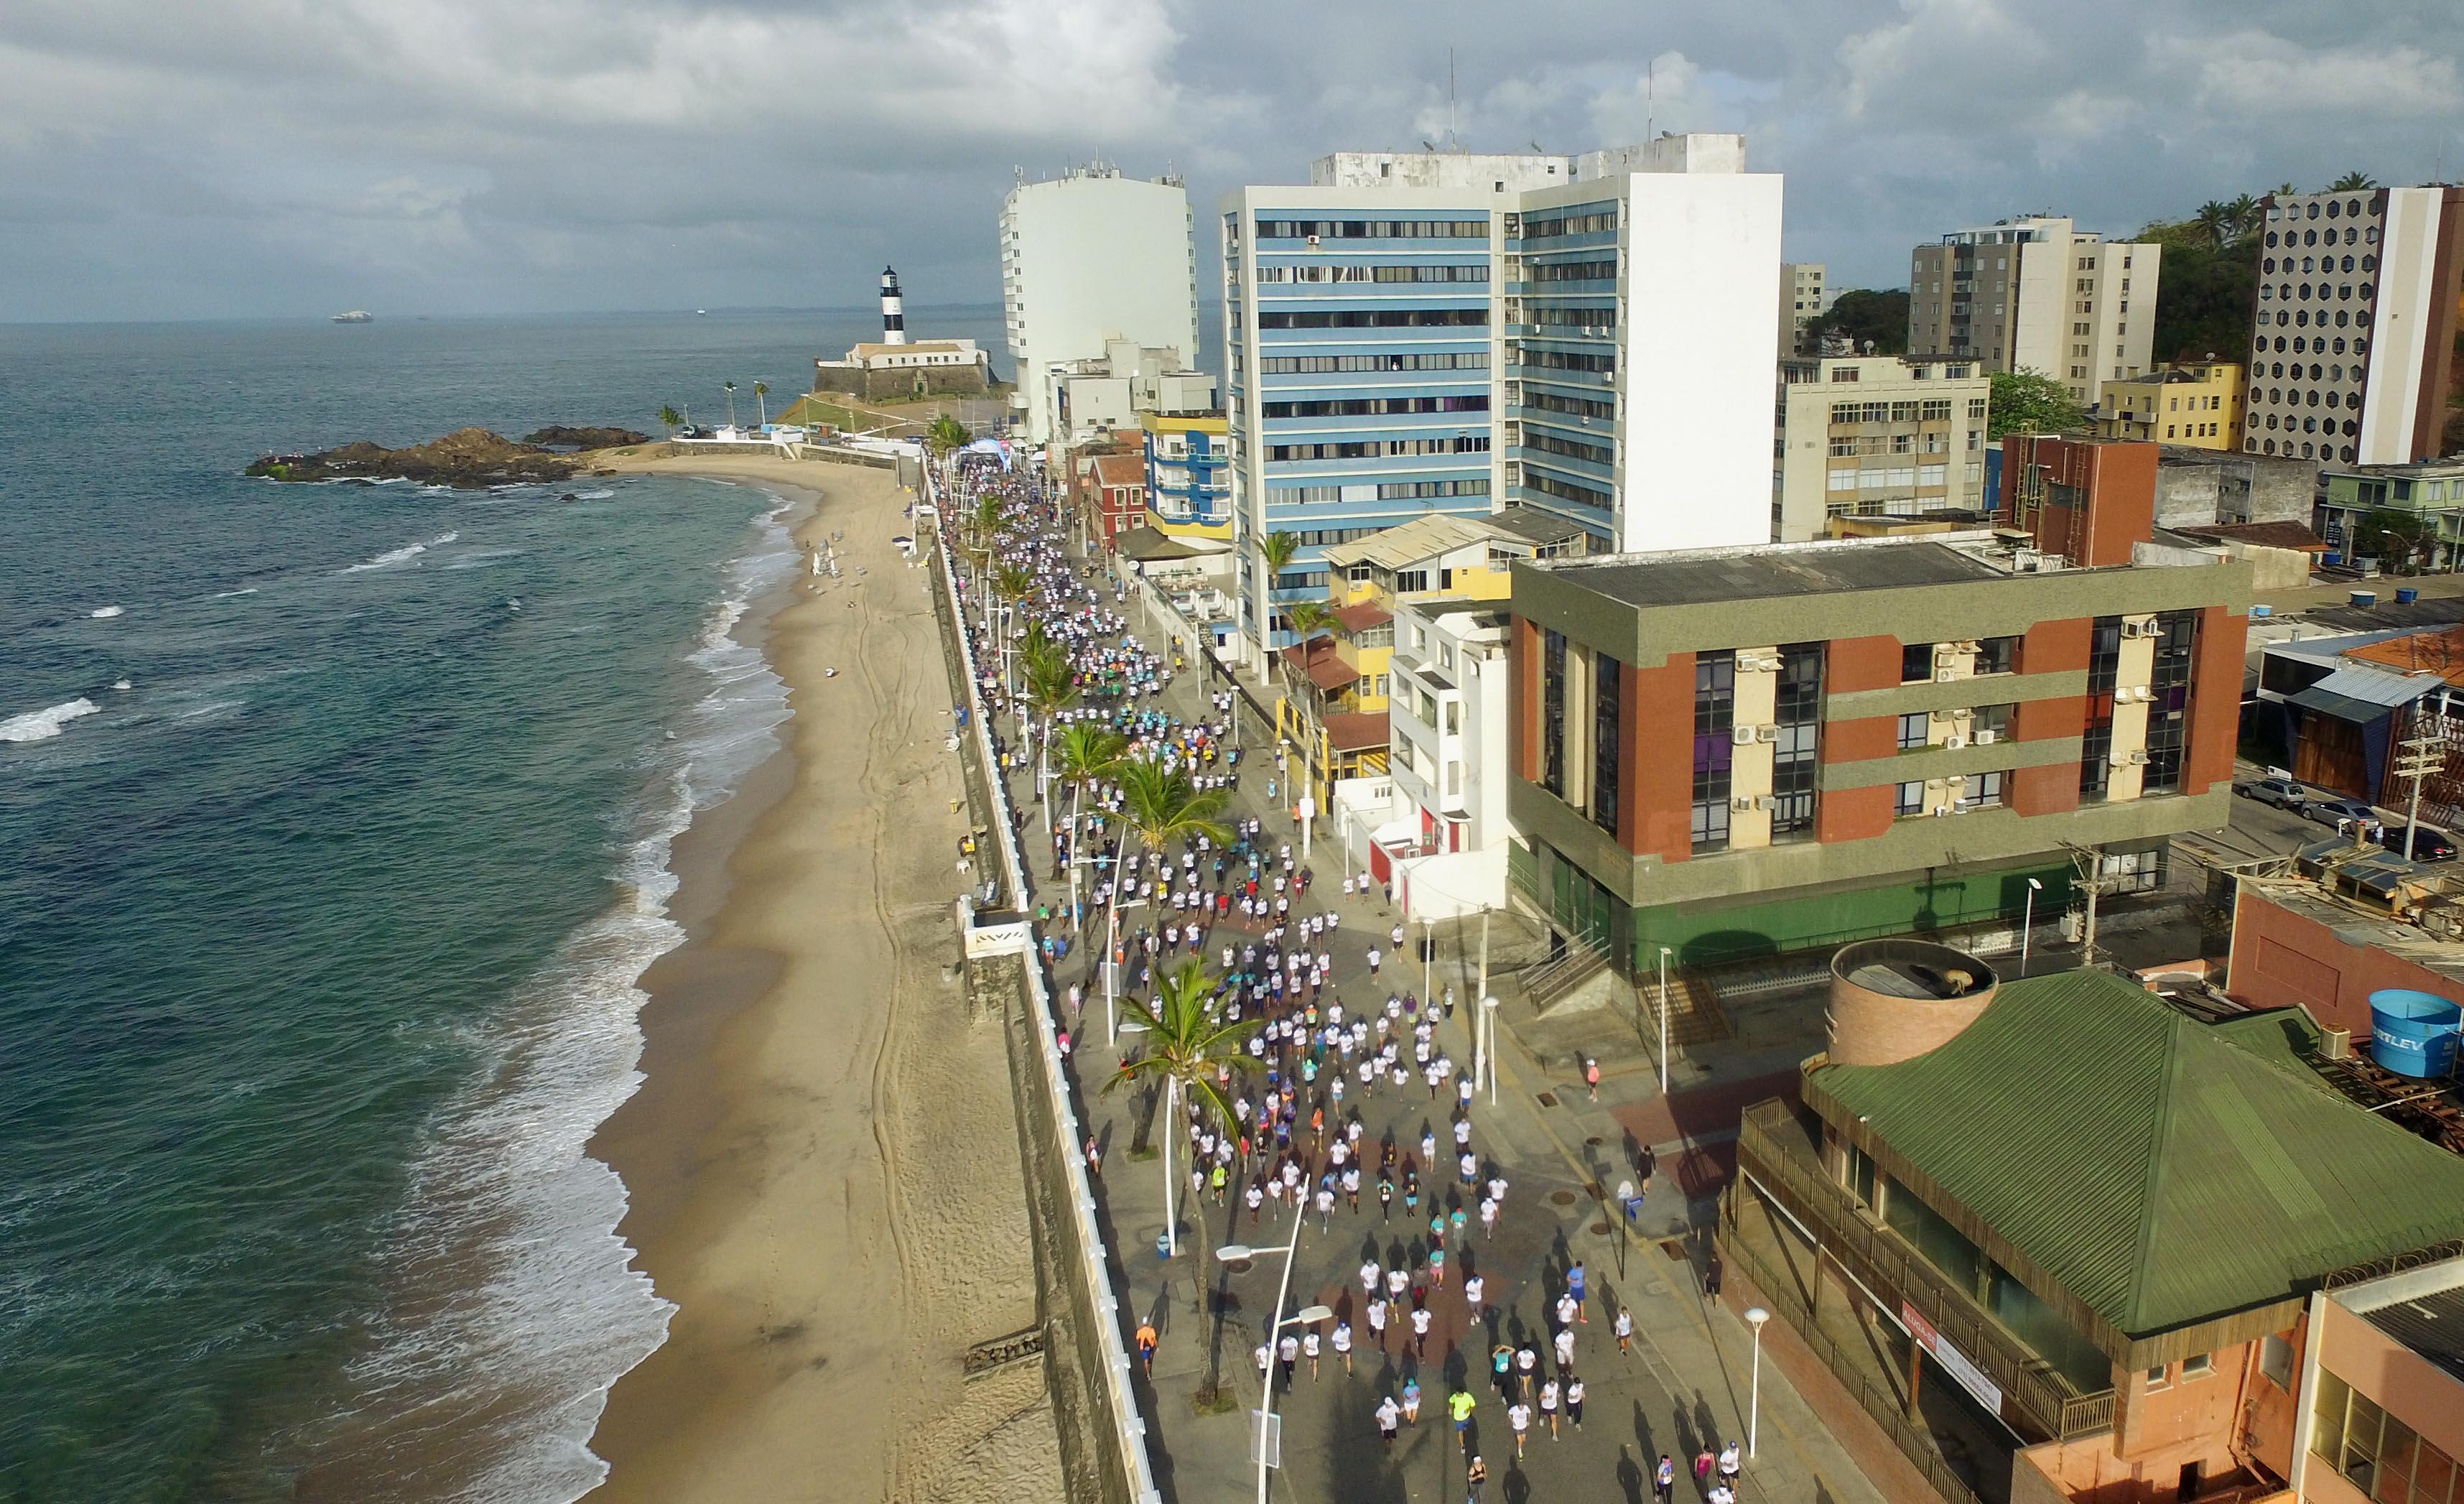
[
  {"x": 1696, "y": 577},
  {"x": 2422, "y": 1308}
]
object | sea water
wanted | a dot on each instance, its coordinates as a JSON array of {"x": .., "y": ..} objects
[{"x": 333, "y": 827}]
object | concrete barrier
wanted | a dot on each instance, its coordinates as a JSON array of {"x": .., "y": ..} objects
[{"x": 1122, "y": 1472}]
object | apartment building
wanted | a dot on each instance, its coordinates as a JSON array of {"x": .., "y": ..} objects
[
  {"x": 1414, "y": 333},
  {"x": 2190, "y": 404},
  {"x": 1734, "y": 752},
  {"x": 1877, "y": 437},
  {"x": 2354, "y": 326},
  {"x": 2037, "y": 294},
  {"x": 1189, "y": 491},
  {"x": 2425, "y": 501},
  {"x": 1088, "y": 258},
  {"x": 1801, "y": 303},
  {"x": 2090, "y": 501}
]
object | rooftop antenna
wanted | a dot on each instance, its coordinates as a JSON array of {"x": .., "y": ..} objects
[
  {"x": 1451, "y": 144},
  {"x": 1651, "y": 99}
]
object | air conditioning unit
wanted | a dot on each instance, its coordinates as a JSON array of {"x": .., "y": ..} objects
[
  {"x": 1313, "y": 242},
  {"x": 1939, "y": 810},
  {"x": 2334, "y": 1044},
  {"x": 1766, "y": 802},
  {"x": 1986, "y": 739},
  {"x": 1741, "y": 802},
  {"x": 2138, "y": 759},
  {"x": 1968, "y": 647},
  {"x": 1742, "y": 736},
  {"x": 1955, "y": 743},
  {"x": 1963, "y": 805},
  {"x": 1945, "y": 715},
  {"x": 2118, "y": 759},
  {"x": 1945, "y": 675},
  {"x": 1769, "y": 734}
]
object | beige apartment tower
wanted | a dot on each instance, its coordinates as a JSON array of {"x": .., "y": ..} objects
[
  {"x": 2037, "y": 295},
  {"x": 1877, "y": 437},
  {"x": 1801, "y": 303}
]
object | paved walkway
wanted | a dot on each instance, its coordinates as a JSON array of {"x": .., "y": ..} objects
[{"x": 1685, "y": 1382}]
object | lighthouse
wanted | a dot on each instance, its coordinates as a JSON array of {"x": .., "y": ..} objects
[{"x": 894, "y": 317}]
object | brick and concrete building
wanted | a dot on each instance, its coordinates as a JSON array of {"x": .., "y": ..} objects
[
  {"x": 2037, "y": 294},
  {"x": 2352, "y": 350},
  {"x": 1739, "y": 752},
  {"x": 2188, "y": 404},
  {"x": 2425, "y": 501},
  {"x": 2090, "y": 500},
  {"x": 2381, "y": 1414},
  {"x": 1117, "y": 486},
  {"x": 1877, "y": 437},
  {"x": 2056, "y": 1226}
]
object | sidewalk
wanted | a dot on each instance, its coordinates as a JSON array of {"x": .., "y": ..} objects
[{"x": 1685, "y": 1382}]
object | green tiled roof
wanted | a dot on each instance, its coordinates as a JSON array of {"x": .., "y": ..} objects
[{"x": 2161, "y": 1172}]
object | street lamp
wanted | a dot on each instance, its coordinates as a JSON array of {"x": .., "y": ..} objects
[
  {"x": 1487, "y": 1061},
  {"x": 1306, "y": 1315},
  {"x": 1755, "y": 1317},
  {"x": 1664, "y": 1021},
  {"x": 2028, "y": 924}
]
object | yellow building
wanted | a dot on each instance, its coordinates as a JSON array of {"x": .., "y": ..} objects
[
  {"x": 2195, "y": 404},
  {"x": 1189, "y": 476}
]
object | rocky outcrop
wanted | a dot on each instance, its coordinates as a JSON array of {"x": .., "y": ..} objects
[
  {"x": 560, "y": 437},
  {"x": 467, "y": 458}
]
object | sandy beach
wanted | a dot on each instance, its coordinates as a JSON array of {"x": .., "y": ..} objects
[{"x": 822, "y": 1162}]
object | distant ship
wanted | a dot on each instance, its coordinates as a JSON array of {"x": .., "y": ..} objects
[
  {"x": 701, "y": 313},
  {"x": 356, "y": 316}
]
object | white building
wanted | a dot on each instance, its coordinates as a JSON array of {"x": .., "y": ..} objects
[
  {"x": 2037, "y": 294},
  {"x": 1443, "y": 331},
  {"x": 1116, "y": 388},
  {"x": 1085, "y": 259},
  {"x": 1800, "y": 302},
  {"x": 2355, "y": 333},
  {"x": 1442, "y": 839}
]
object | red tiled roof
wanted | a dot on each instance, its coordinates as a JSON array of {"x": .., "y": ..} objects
[
  {"x": 1363, "y": 616},
  {"x": 1330, "y": 674},
  {"x": 1120, "y": 470},
  {"x": 2264, "y": 535},
  {"x": 1355, "y": 733}
]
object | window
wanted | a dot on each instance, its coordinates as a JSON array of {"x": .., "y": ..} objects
[
  {"x": 1914, "y": 728},
  {"x": 1552, "y": 712},
  {"x": 2275, "y": 1362},
  {"x": 1411, "y": 581},
  {"x": 2160, "y": 1377},
  {"x": 2376, "y": 1452},
  {"x": 1715, "y": 696},
  {"x": 1916, "y": 662},
  {"x": 2200, "y": 1367},
  {"x": 2103, "y": 660},
  {"x": 1982, "y": 791},
  {"x": 1995, "y": 721},
  {"x": 1607, "y": 692},
  {"x": 1997, "y": 655},
  {"x": 1910, "y": 798}
]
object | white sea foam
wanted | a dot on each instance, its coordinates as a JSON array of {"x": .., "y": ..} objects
[
  {"x": 403, "y": 555},
  {"x": 225, "y": 595},
  {"x": 105, "y": 612},
  {"x": 508, "y": 1212},
  {"x": 41, "y": 725},
  {"x": 592, "y": 496}
]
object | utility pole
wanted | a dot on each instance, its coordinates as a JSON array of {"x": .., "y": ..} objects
[
  {"x": 2090, "y": 862},
  {"x": 2417, "y": 757}
]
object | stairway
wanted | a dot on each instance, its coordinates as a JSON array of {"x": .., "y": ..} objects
[{"x": 1551, "y": 980}]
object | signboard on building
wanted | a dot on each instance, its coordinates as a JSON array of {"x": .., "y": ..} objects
[{"x": 1953, "y": 1361}]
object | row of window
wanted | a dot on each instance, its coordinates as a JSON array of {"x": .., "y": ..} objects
[
  {"x": 2368, "y": 263},
  {"x": 2300, "y": 318},
  {"x": 1934, "y": 410},
  {"x": 1844, "y": 444},
  {"x": 2318, "y": 344},
  {"x": 1373, "y": 229},
  {"x": 2309, "y": 450},
  {"x": 1328, "y": 364},
  {"x": 1373, "y": 407},
  {"x": 1571, "y": 407},
  {"x": 1550, "y": 444},
  {"x": 1903, "y": 477},
  {"x": 2377, "y": 1454},
  {"x": 1424, "y": 490},
  {"x": 1320, "y": 272},
  {"x": 1574, "y": 271},
  {"x": 1316, "y": 537},
  {"x": 1379, "y": 319},
  {"x": 1567, "y": 361},
  {"x": 1976, "y": 791},
  {"x": 1572, "y": 223},
  {"x": 1566, "y": 490},
  {"x": 1380, "y": 449},
  {"x": 1591, "y": 321}
]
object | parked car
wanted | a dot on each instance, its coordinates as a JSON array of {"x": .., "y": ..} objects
[
  {"x": 2329, "y": 808},
  {"x": 2429, "y": 843},
  {"x": 2282, "y": 792}
]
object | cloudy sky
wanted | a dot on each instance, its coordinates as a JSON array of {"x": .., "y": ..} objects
[{"x": 228, "y": 157}]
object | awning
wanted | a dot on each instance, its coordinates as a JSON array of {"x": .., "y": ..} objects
[
  {"x": 1147, "y": 544},
  {"x": 2343, "y": 707},
  {"x": 1330, "y": 674},
  {"x": 2378, "y": 686}
]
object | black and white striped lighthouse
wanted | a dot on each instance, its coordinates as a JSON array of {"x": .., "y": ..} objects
[{"x": 893, "y": 315}]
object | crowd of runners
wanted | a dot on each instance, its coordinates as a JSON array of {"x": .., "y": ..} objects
[{"x": 1349, "y": 1107}]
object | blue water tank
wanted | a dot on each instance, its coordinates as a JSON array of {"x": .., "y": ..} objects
[
  {"x": 2406, "y": 595},
  {"x": 2413, "y": 1034},
  {"x": 2262, "y": 610},
  {"x": 2364, "y": 597}
]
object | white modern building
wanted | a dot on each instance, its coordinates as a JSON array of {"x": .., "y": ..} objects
[
  {"x": 1441, "y": 833},
  {"x": 2037, "y": 294},
  {"x": 1439, "y": 331},
  {"x": 1118, "y": 388},
  {"x": 1877, "y": 436},
  {"x": 2355, "y": 327},
  {"x": 1088, "y": 258}
]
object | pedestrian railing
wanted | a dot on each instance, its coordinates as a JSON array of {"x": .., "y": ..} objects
[{"x": 1116, "y": 1394}]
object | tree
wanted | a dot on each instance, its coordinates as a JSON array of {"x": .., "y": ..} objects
[
  {"x": 1186, "y": 1049},
  {"x": 1863, "y": 314},
  {"x": 2400, "y": 540},
  {"x": 669, "y": 420},
  {"x": 2248, "y": 215},
  {"x": 2355, "y": 182},
  {"x": 1275, "y": 551},
  {"x": 761, "y": 392},
  {"x": 731, "y": 402},
  {"x": 1162, "y": 806},
  {"x": 2032, "y": 402},
  {"x": 945, "y": 434},
  {"x": 1308, "y": 618},
  {"x": 2208, "y": 281},
  {"x": 2215, "y": 220}
]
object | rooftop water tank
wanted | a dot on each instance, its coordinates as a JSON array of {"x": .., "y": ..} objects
[
  {"x": 2413, "y": 1034},
  {"x": 1893, "y": 1000}
]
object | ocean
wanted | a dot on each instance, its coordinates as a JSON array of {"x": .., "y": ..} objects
[{"x": 334, "y": 824}]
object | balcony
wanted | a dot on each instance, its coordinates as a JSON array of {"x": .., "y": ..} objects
[{"x": 1840, "y": 1279}]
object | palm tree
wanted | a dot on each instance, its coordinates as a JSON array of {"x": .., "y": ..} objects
[
  {"x": 1276, "y": 550},
  {"x": 2247, "y": 215},
  {"x": 731, "y": 402},
  {"x": 1011, "y": 582},
  {"x": 1308, "y": 618},
  {"x": 668, "y": 419},
  {"x": 1083, "y": 756},
  {"x": 1162, "y": 806},
  {"x": 2353, "y": 183},
  {"x": 2215, "y": 220},
  {"x": 945, "y": 434},
  {"x": 1185, "y": 1049},
  {"x": 761, "y": 390}
]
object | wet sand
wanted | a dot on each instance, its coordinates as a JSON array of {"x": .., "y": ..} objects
[{"x": 822, "y": 1161}]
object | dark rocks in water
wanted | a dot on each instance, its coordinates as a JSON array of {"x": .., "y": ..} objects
[
  {"x": 467, "y": 458},
  {"x": 559, "y": 436}
]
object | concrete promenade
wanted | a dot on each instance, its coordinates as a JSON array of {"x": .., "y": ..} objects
[{"x": 1684, "y": 1385}]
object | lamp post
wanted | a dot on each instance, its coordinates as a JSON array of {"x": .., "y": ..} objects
[
  {"x": 2028, "y": 924},
  {"x": 1664, "y": 1021},
  {"x": 1485, "y": 1035},
  {"x": 1306, "y": 1316},
  {"x": 1755, "y": 1317}
]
